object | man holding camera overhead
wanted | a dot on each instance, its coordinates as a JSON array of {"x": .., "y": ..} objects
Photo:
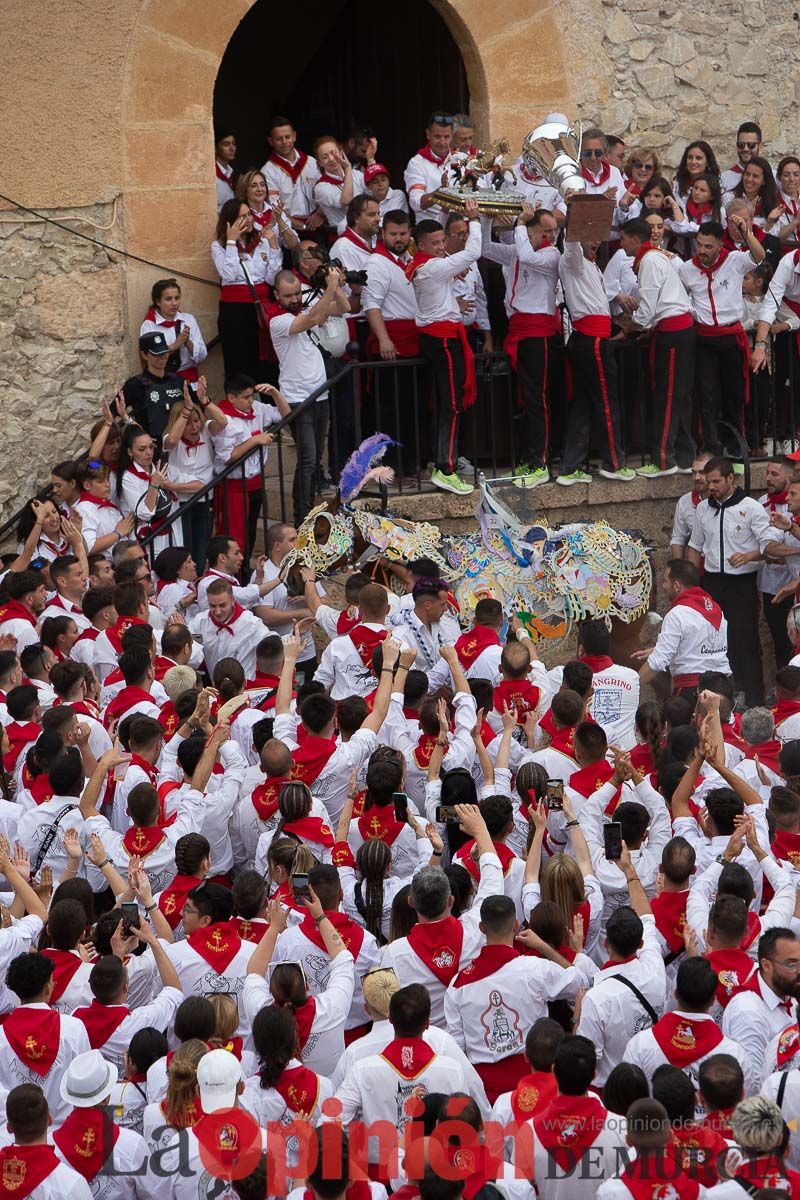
[{"x": 302, "y": 371}]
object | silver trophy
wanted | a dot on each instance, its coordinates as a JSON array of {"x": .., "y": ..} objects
[{"x": 554, "y": 151}]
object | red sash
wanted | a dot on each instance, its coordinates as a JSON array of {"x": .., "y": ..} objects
[
  {"x": 101, "y": 1020},
  {"x": 173, "y": 898},
  {"x": 733, "y": 970},
  {"x": 86, "y": 1139},
  {"x": 140, "y": 841},
  {"x": 683, "y": 1041},
  {"x": 351, "y": 934},
  {"x": 23, "y": 1168},
  {"x": 378, "y": 824},
  {"x": 454, "y": 330},
  {"x": 568, "y": 1127},
  {"x": 590, "y": 779},
  {"x": 786, "y": 848},
  {"x": 700, "y": 602},
  {"x": 309, "y": 760},
  {"x": 464, "y": 857},
  {"x": 517, "y": 693},
  {"x": 217, "y": 944},
  {"x": 593, "y": 327},
  {"x": 15, "y": 610},
  {"x": 66, "y": 965},
  {"x": 298, "y": 1087},
  {"x": 124, "y": 701},
  {"x": 293, "y": 170},
  {"x": 311, "y": 829},
  {"x": 490, "y": 960},
  {"x": 364, "y": 642},
  {"x": 403, "y": 331},
  {"x": 265, "y": 796},
  {"x": 34, "y": 1035},
  {"x": 669, "y": 911},
  {"x": 409, "y": 1056},
  {"x": 473, "y": 643},
  {"x": 650, "y": 1176},
  {"x": 438, "y": 944},
  {"x": 523, "y": 325},
  {"x": 532, "y": 1094},
  {"x": 19, "y": 736}
]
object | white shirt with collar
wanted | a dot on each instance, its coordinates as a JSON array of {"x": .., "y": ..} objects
[
  {"x": 433, "y": 282},
  {"x": 460, "y": 753},
  {"x": 535, "y": 188},
  {"x": 159, "y": 1013},
  {"x": 248, "y": 596},
  {"x": 790, "y": 1107},
  {"x": 160, "y": 862},
  {"x": 683, "y": 522},
  {"x": 644, "y": 1051},
  {"x": 341, "y": 669},
  {"x": 688, "y": 644},
  {"x": 73, "y": 1040},
  {"x": 772, "y": 575},
  {"x": 239, "y": 430},
  {"x": 60, "y": 606},
  {"x": 239, "y": 640},
  {"x": 421, "y": 177},
  {"x": 25, "y": 633},
  {"x": 388, "y": 289},
  {"x": 328, "y": 197},
  {"x": 331, "y": 784},
  {"x": 780, "y": 909},
  {"x": 470, "y": 288},
  {"x": 485, "y": 666},
  {"x": 531, "y": 276},
  {"x": 599, "y": 183},
  {"x": 373, "y": 1090},
  {"x": 752, "y": 1020},
  {"x": 717, "y": 297},
  {"x": 293, "y": 946},
  {"x": 740, "y": 526},
  {"x": 187, "y": 358},
  {"x": 296, "y": 195},
  {"x": 409, "y": 629},
  {"x": 234, "y": 266},
  {"x": 784, "y": 285},
  {"x": 583, "y": 284},
  {"x": 661, "y": 292}
]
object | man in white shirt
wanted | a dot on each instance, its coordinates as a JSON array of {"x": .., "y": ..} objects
[
  {"x": 784, "y": 288},
  {"x": 468, "y": 288},
  {"x": 767, "y": 1004},
  {"x": 41, "y": 829},
  {"x": 21, "y": 612},
  {"x": 212, "y": 957},
  {"x": 683, "y": 522},
  {"x": 615, "y": 689},
  {"x": 302, "y": 372},
  {"x": 224, "y": 561},
  {"x": 68, "y": 574},
  {"x": 713, "y": 279},
  {"x": 28, "y": 1159},
  {"x": 443, "y": 340},
  {"x": 283, "y": 611},
  {"x": 355, "y": 246},
  {"x": 731, "y": 532},
  {"x": 420, "y": 626},
  {"x": 479, "y": 649},
  {"x": 779, "y": 575},
  {"x": 429, "y": 168},
  {"x": 290, "y": 176},
  {"x": 606, "y": 179},
  {"x": 227, "y": 630},
  {"x": 346, "y": 666},
  {"x": 748, "y": 146}
]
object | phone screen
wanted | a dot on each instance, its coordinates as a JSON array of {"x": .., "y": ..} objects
[
  {"x": 400, "y": 806},
  {"x": 130, "y": 916},
  {"x": 445, "y": 812},
  {"x": 612, "y": 841},
  {"x": 555, "y": 795},
  {"x": 300, "y": 888}
]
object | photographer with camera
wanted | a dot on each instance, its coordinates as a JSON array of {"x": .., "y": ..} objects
[{"x": 302, "y": 371}]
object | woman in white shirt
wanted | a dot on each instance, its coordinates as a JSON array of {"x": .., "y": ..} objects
[
  {"x": 252, "y": 190},
  {"x": 144, "y": 490},
  {"x": 40, "y": 533},
  {"x": 788, "y": 176},
  {"x": 247, "y": 263},
  {"x": 337, "y": 184},
  {"x": 176, "y": 590},
  {"x": 103, "y": 523},
  {"x": 190, "y": 454},
  {"x": 180, "y": 329}
]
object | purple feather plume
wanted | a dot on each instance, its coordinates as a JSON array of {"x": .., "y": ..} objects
[{"x": 354, "y": 471}]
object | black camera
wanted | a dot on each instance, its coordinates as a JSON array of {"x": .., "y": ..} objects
[{"x": 319, "y": 279}]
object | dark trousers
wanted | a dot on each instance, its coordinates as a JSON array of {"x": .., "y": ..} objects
[
  {"x": 721, "y": 382},
  {"x": 446, "y": 359},
  {"x": 593, "y": 403},
  {"x": 775, "y": 616},
  {"x": 396, "y": 405},
  {"x": 308, "y": 429},
  {"x": 670, "y": 408},
  {"x": 737, "y": 596},
  {"x": 534, "y": 370},
  {"x": 239, "y": 335},
  {"x": 198, "y": 525}
]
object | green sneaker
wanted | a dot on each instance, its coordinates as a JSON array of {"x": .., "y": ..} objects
[
  {"x": 623, "y": 475},
  {"x": 651, "y": 471},
  {"x": 574, "y": 477},
  {"x": 540, "y": 475},
  {"x": 451, "y": 483},
  {"x": 520, "y": 475}
]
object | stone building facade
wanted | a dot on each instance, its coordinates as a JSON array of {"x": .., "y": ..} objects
[{"x": 108, "y": 125}]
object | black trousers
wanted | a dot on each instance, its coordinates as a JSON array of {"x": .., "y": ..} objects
[
  {"x": 775, "y": 616},
  {"x": 670, "y": 408},
  {"x": 446, "y": 358},
  {"x": 238, "y": 333},
  {"x": 535, "y": 356},
  {"x": 737, "y": 596},
  {"x": 593, "y": 404},
  {"x": 721, "y": 384},
  {"x": 309, "y": 430}
]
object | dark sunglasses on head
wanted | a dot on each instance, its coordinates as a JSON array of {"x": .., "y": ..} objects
[
  {"x": 441, "y": 119},
  {"x": 746, "y": 145},
  {"x": 592, "y": 153},
  {"x": 643, "y": 166}
]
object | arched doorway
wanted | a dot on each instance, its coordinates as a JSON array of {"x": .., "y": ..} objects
[{"x": 347, "y": 65}]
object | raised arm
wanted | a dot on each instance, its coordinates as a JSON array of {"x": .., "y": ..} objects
[
  {"x": 533, "y": 862},
  {"x": 391, "y": 656},
  {"x": 22, "y": 890},
  {"x": 262, "y": 955},
  {"x": 638, "y": 897},
  {"x": 283, "y": 696},
  {"x": 332, "y": 939},
  {"x": 94, "y": 788}
]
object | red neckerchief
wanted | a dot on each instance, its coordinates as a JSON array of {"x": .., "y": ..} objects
[
  {"x": 700, "y": 602},
  {"x": 58, "y": 602},
  {"x": 532, "y": 1094},
  {"x": 642, "y": 758},
  {"x": 15, "y": 610},
  {"x": 352, "y": 236},
  {"x": 652, "y": 1175},
  {"x": 141, "y": 841},
  {"x": 465, "y": 859},
  {"x": 520, "y": 694},
  {"x": 733, "y": 969},
  {"x": 149, "y": 769},
  {"x": 101, "y": 1020},
  {"x": 640, "y": 253},
  {"x": 788, "y": 1046},
  {"x": 684, "y": 1040},
  {"x": 265, "y": 796},
  {"x": 298, "y": 1087},
  {"x": 262, "y": 680},
  {"x": 86, "y": 1139},
  {"x": 767, "y": 752},
  {"x": 560, "y": 739},
  {"x": 696, "y": 212},
  {"x": 489, "y": 960},
  {"x": 309, "y": 760},
  {"x": 34, "y": 1035},
  {"x": 191, "y": 445},
  {"x": 379, "y": 824},
  {"x": 124, "y": 700},
  {"x": 24, "y": 1168},
  {"x": 720, "y": 1122},
  {"x": 438, "y": 944},
  {"x": 66, "y": 965},
  {"x": 89, "y": 635},
  {"x": 326, "y": 178},
  {"x": 416, "y": 262},
  {"x": 752, "y": 933},
  {"x": 768, "y": 1171},
  {"x": 39, "y": 788},
  {"x": 360, "y": 1189},
  {"x": 293, "y": 170},
  {"x": 231, "y": 410},
  {"x": 715, "y": 266},
  {"x": 786, "y": 847},
  {"x": 597, "y": 662},
  {"x": 590, "y": 779},
  {"x": 669, "y": 911},
  {"x": 249, "y": 931},
  {"x": 384, "y": 251},
  {"x": 568, "y": 1127},
  {"x": 430, "y": 157},
  {"x": 85, "y": 708},
  {"x": 304, "y": 1016},
  {"x": 605, "y": 175},
  {"x": 19, "y": 736},
  {"x": 261, "y": 220},
  {"x": 218, "y": 944},
  {"x": 221, "y": 174},
  {"x": 696, "y": 498},
  {"x": 408, "y": 1056},
  {"x": 771, "y": 502},
  {"x": 115, "y": 632},
  {"x": 232, "y": 619},
  {"x": 173, "y": 898},
  {"x": 365, "y": 641},
  {"x": 168, "y": 718},
  {"x": 311, "y": 829},
  {"x": 95, "y": 500},
  {"x": 155, "y": 316},
  {"x": 473, "y": 643},
  {"x": 780, "y": 711},
  {"x": 347, "y": 620},
  {"x": 192, "y": 1112},
  {"x": 351, "y": 933}
]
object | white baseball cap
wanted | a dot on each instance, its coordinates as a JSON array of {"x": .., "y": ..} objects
[
  {"x": 88, "y": 1080},
  {"x": 219, "y": 1074}
]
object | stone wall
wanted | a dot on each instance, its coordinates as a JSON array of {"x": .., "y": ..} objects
[{"x": 62, "y": 323}]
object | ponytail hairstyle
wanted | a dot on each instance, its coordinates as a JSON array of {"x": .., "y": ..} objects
[
  {"x": 403, "y": 917},
  {"x": 294, "y": 803},
  {"x": 288, "y": 855},
  {"x": 181, "y": 1106},
  {"x": 374, "y": 861},
  {"x": 226, "y": 1012},
  {"x": 287, "y": 983},
  {"x": 531, "y": 786},
  {"x": 276, "y": 1042},
  {"x": 229, "y": 678},
  {"x": 650, "y": 726},
  {"x": 191, "y": 850},
  {"x": 44, "y": 752}
]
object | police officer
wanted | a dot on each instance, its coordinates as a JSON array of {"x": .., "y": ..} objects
[{"x": 151, "y": 394}]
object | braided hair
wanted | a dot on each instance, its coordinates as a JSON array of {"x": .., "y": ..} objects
[
  {"x": 294, "y": 803},
  {"x": 190, "y": 851},
  {"x": 374, "y": 861}
]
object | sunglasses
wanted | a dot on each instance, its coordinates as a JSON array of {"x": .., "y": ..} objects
[
  {"x": 441, "y": 119},
  {"x": 592, "y": 153},
  {"x": 746, "y": 145},
  {"x": 643, "y": 166}
]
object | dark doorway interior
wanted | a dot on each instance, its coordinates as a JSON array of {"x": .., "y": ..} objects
[{"x": 335, "y": 64}]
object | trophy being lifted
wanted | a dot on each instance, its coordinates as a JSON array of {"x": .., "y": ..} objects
[
  {"x": 485, "y": 177},
  {"x": 553, "y": 150}
]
